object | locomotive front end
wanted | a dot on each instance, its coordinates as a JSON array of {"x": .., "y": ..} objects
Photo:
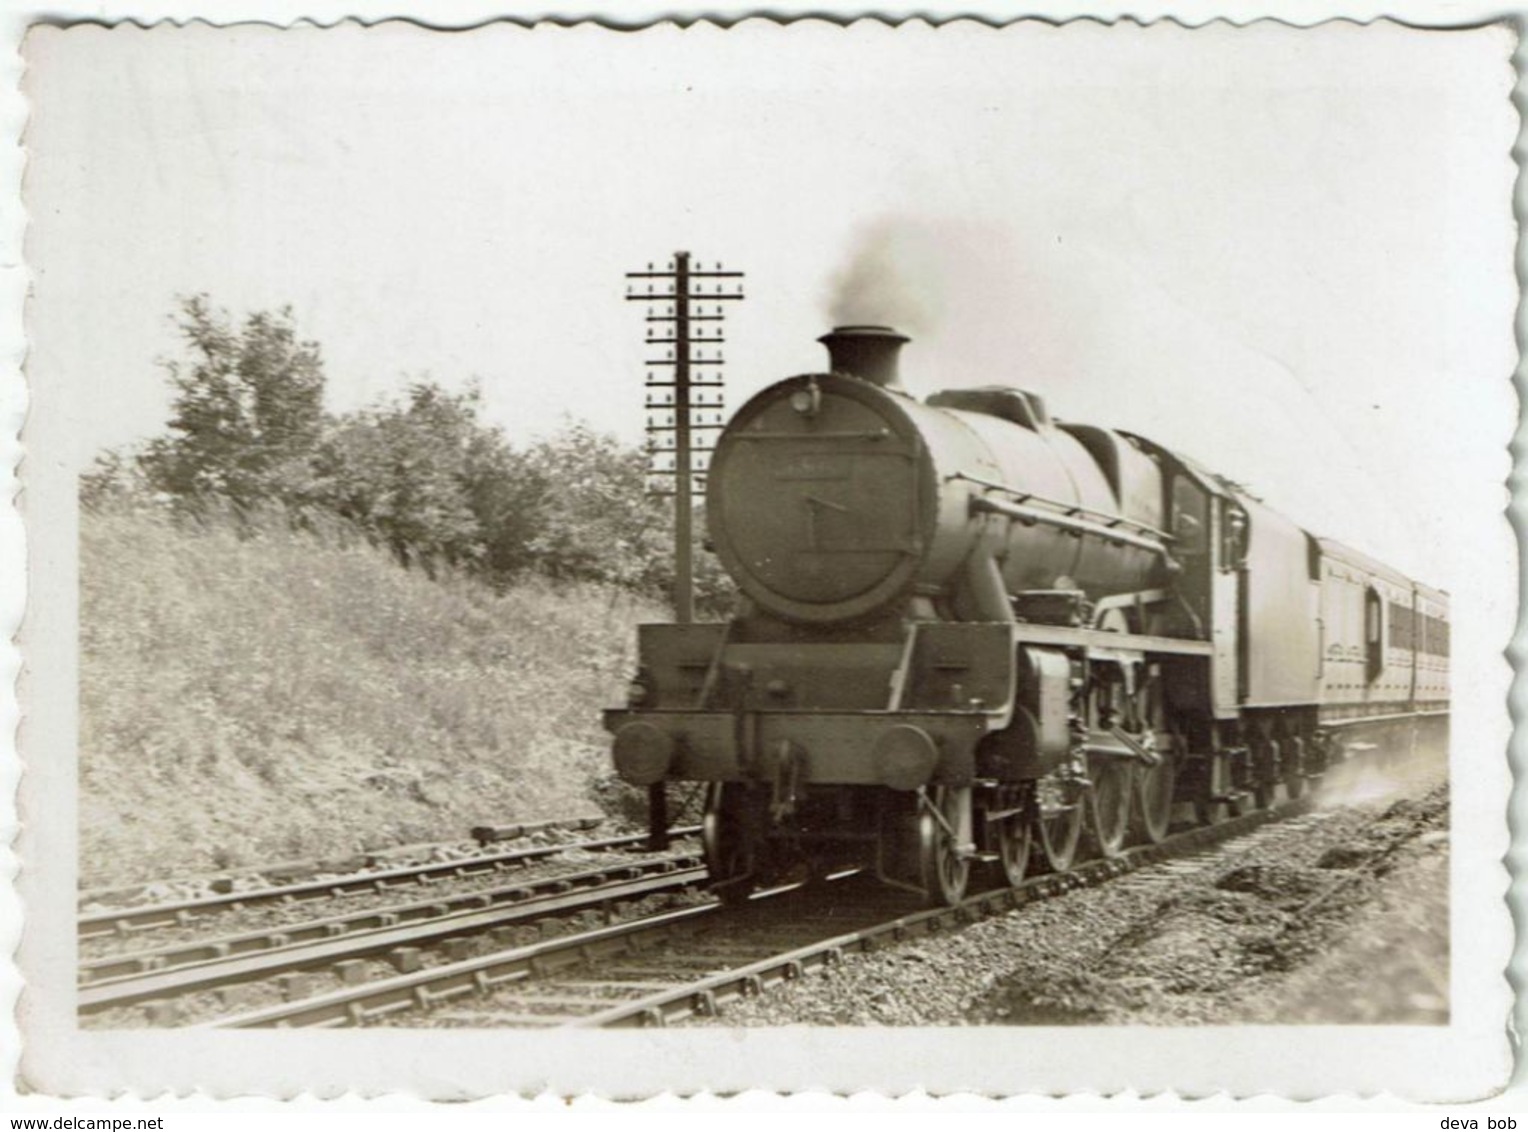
[{"x": 823, "y": 500}]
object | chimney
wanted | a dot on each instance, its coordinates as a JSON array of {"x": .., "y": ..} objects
[{"x": 867, "y": 352}]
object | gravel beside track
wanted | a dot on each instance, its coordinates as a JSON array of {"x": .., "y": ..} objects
[{"x": 1275, "y": 926}]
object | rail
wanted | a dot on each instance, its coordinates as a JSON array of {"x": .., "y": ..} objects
[
  {"x": 127, "y": 980},
  {"x": 181, "y": 912}
]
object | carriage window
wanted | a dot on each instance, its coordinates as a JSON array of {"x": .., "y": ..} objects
[
  {"x": 1401, "y": 634},
  {"x": 1437, "y": 636}
]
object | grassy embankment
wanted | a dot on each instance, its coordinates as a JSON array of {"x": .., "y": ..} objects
[{"x": 287, "y": 696}]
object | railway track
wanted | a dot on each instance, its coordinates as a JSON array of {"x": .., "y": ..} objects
[
  {"x": 677, "y": 965},
  {"x": 281, "y": 872},
  {"x": 181, "y": 913},
  {"x": 340, "y": 944}
]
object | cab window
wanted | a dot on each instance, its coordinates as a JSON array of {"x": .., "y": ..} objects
[
  {"x": 1190, "y": 528},
  {"x": 1233, "y": 536}
]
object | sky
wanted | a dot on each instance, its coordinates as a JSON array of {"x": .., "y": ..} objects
[{"x": 1285, "y": 253}]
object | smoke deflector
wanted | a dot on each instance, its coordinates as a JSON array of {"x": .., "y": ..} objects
[{"x": 867, "y": 352}]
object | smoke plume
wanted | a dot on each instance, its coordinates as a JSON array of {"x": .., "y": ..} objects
[{"x": 892, "y": 278}]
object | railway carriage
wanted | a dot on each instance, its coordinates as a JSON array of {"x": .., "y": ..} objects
[{"x": 970, "y": 634}]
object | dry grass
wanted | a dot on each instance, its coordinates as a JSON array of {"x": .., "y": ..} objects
[{"x": 288, "y": 695}]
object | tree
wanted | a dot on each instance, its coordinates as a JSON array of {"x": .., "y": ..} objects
[
  {"x": 595, "y": 520},
  {"x": 424, "y": 475},
  {"x": 248, "y": 410},
  {"x": 396, "y": 472}
]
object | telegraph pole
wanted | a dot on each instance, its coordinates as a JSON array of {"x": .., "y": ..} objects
[
  {"x": 684, "y": 423},
  {"x": 686, "y": 405}
]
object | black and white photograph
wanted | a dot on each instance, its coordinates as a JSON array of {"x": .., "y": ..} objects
[{"x": 778, "y": 554}]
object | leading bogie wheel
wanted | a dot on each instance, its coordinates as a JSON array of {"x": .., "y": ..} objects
[
  {"x": 945, "y": 869},
  {"x": 724, "y": 840}
]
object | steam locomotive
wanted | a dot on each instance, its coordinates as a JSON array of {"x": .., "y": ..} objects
[{"x": 971, "y": 634}]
